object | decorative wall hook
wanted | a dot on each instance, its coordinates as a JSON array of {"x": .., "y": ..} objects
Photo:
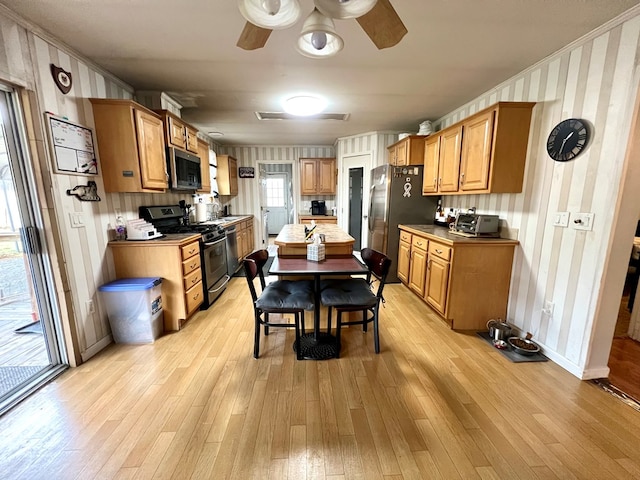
[{"x": 86, "y": 193}]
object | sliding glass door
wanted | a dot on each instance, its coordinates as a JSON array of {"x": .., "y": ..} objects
[{"x": 30, "y": 350}]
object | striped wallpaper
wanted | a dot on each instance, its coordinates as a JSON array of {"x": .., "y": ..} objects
[{"x": 595, "y": 79}]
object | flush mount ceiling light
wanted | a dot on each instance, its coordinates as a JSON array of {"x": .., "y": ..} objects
[
  {"x": 215, "y": 134},
  {"x": 304, "y": 105},
  {"x": 343, "y": 9},
  {"x": 271, "y": 14},
  {"x": 318, "y": 38}
]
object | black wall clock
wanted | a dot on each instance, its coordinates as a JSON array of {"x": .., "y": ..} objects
[{"x": 568, "y": 139}]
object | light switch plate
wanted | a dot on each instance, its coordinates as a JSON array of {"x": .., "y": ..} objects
[
  {"x": 561, "y": 219},
  {"x": 77, "y": 219},
  {"x": 582, "y": 221}
]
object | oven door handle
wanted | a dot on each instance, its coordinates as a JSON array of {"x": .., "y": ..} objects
[
  {"x": 211, "y": 244},
  {"x": 214, "y": 290}
]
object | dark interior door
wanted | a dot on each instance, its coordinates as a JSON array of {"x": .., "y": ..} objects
[{"x": 355, "y": 205}]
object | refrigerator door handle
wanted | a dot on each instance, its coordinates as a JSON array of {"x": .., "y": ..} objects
[{"x": 371, "y": 191}]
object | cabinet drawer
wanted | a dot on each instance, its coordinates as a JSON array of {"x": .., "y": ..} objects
[
  {"x": 191, "y": 279},
  {"x": 405, "y": 236},
  {"x": 419, "y": 242},
  {"x": 190, "y": 265},
  {"x": 190, "y": 250},
  {"x": 193, "y": 297},
  {"x": 439, "y": 250}
]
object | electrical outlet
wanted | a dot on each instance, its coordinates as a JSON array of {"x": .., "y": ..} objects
[
  {"x": 90, "y": 307},
  {"x": 548, "y": 308}
]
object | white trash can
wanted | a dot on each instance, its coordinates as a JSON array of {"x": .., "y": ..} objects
[{"x": 134, "y": 308}]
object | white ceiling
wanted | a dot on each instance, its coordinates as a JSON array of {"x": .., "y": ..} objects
[{"x": 454, "y": 51}]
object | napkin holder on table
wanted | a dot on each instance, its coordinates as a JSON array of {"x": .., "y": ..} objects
[{"x": 316, "y": 251}]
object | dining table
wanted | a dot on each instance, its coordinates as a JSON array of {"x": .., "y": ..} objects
[{"x": 317, "y": 345}]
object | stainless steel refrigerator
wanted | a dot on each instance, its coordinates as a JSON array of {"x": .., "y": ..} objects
[{"x": 396, "y": 198}]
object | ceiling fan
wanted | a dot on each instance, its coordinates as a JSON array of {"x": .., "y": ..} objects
[{"x": 377, "y": 18}]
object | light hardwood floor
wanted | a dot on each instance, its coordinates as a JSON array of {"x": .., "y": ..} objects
[{"x": 434, "y": 404}]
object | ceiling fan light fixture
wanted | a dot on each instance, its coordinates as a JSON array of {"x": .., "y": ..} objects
[
  {"x": 271, "y": 14},
  {"x": 344, "y": 9},
  {"x": 304, "y": 105},
  {"x": 318, "y": 38}
]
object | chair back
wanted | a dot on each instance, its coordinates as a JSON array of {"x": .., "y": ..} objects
[
  {"x": 378, "y": 265},
  {"x": 253, "y": 264}
]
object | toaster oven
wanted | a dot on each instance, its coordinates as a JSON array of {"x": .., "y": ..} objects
[{"x": 477, "y": 224}]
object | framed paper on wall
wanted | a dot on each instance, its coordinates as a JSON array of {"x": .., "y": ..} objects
[
  {"x": 246, "y": 172},
  {"x": 72, "y": 147}
]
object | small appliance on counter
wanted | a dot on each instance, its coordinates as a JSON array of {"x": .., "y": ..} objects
[
  {"x": 318, "y": 207},
  {"x": 476, "y": 225}
]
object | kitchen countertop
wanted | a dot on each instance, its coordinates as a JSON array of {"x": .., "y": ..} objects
[
  {"x": 445, "y": 236},
  {"x": 291, "y": 240},
  {"x": 169, "y": 239},
  {"x": 316, "y": 216},
  {"x": 228, "y": 221}
]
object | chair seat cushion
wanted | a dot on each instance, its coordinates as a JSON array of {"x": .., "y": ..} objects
[
  {"x": 350, "y": 292},
  {"x": 287, "y": 294}
]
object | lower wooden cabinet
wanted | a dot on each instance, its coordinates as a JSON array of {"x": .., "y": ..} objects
[
  {"x": 404, "y": 257},
  {"x": 246, "y": 242},
  {"x": 177, "y": 262},
  {"x": 418, "y": 264},
  {"x": 466, "y": 281}
]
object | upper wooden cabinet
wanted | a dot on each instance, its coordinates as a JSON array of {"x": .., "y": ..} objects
[
  {"x": 203, "y": 153},
  {"x": 484, "y": 153},
  {"x": 442, "y": 161},
  {"x": 318, "y": 176},
  {"x": 408, "y": 151},
  {"x": 178, "y": 133},
  {"x": 494, "y": 148},
  {"x": 227, "y": 175},
  {"x": 131, "y": 146}
]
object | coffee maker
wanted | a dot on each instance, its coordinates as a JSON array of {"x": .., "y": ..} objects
[{"x": 318, "y": 207}]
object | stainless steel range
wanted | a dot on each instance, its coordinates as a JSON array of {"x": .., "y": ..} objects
[{"x": 169, "y": 219}]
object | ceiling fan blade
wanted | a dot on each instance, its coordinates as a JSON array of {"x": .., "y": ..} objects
[
  {"x": 383, "y": 25},
  {"x": 253, "y": 37}
]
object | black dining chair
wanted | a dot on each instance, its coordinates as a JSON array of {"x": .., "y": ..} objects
[
  {"x": 356, "y": 295},
  {"x": 281, "y": 296}
]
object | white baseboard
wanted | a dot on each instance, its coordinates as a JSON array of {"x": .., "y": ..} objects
[{"x": 96, "y": 347}]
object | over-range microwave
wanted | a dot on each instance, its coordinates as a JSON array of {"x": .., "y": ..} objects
[{"x": 184, "y": 170}]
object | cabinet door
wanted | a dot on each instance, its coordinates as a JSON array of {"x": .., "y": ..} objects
[
  {"x": 191, "y": 139},
  {"x": 307, "y": 176},
  {"x": 418, "y": 271},
  {"x": 233, "y": 176},
  {"x": 437, "y": 281},
  {"x": 327, "y": 176},
  {"x": 203, "y": 153},
  {"x": 153, "y": 169},
  {"x": 250, "y": 241},
  {"x": 449, "y": 164},
  {"x": 177, "y": 136},
  {"x": 404, "y": 261},
  {"x": 476, "y": 152},
  {"x": 402, "y": 154},
  {"x": 431, "y": 160},
  {"x": 392, "y": 155}
]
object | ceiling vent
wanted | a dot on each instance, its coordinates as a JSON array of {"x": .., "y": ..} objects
[{"x": 285, "y": 116}]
